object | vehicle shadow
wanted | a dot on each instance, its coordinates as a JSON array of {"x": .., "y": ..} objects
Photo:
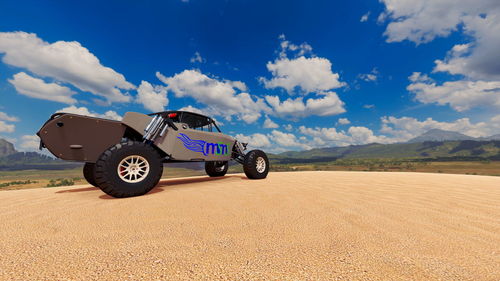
[
  {"x": 158, "y": 188},
  {"x": 175, "y": 182},
  {"x": 83, "y": 189},
  {"x": 153, "y": 191}
]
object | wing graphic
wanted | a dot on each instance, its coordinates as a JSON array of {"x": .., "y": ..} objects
[{"x": 193, "y": 145}]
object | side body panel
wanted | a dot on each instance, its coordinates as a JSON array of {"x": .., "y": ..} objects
[
  {"x": 136, "y": 121},
  {"x": 193, "y": 145},
  {"x": 80, "y": 138}
]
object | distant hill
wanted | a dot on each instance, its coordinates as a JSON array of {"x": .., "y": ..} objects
[
  {"x": 430, "y": 150},
  {"x": 440, "y": 135},
  {"x": 6, "y": 148},
  {"x": 11, "y": 159}
]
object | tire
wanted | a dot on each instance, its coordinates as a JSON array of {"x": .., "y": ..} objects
[
  {"x": 256, "y": 164},
  {"x": 216, "y": 168},
  {"x": 89, "y": 173},
  {"x": 128, "y": 169}
]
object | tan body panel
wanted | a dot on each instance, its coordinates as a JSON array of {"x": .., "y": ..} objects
[
  {"x": 136, "y": 121},
  {"x": 217, "y": 146},
  {"x": 80, "y": 138}
]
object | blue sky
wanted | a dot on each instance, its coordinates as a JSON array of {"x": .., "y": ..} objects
[{"x": 282, "y": 75}]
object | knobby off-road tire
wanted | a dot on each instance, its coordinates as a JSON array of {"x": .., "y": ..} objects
[
  {"x": 256, "y": 164},
  {"x": 89, "y": 173},
  {"x": 216, "y": 168},
  {"x": 128, "y": 169}
]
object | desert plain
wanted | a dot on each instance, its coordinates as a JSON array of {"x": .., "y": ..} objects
[{"x": 291, "y": 226}]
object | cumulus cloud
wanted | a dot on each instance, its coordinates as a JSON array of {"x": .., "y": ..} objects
[
  {"x": 477, "y": 61},
  {"x": 370, "y": 77},
  {"x": 67, "y": 62},
  {"x": 196, "y": 58},
  {"x": 29, "y": 143},
  {"x": 255, "y": 140},
  {"x": 5, "y": 117},
  {"x": 220, "y": 97},
  {"x": 39, "y": 89},
  {"x": 152, "y": 97},
  {"x": 269, "y": 124},
  {"x": 365, "y": 17},
  {"x": 329, "y": 104},
  {"x": 6, "y": 128},
  {"x": 289, "y": 47},
  {"x": 461, "y": 95},
  {"x": 287, "y": 140},
  {"x": 305, "y": 74},
  {"x": 110, "y": 114},
  {"x": 343, "y": 121},
  {"x": 322, "y": 137}
]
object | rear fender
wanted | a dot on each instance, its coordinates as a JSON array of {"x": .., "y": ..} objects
[{"x": 80, "y": 138}]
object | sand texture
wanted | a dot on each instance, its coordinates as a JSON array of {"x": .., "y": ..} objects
[{"x": 291, "y": 226}]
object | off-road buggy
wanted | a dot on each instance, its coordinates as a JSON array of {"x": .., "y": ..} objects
[{"x": 125, "y": 158}]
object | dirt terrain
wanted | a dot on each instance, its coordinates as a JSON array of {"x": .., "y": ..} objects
[{"x": 291, "y": 226}]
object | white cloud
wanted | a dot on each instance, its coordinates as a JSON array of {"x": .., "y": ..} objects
[
  {"x": 477, "y": 61},
  {"x": 196, "y": 58},
  {"x": 5, "y": 117},
  {"x": 110, "y": 114},
  {"x": 369, "y": 106},
  {"x": 29, "y": 143},
  {"x": 365, "y": 17},
  {"x": 288, "y": 127},
  {"x": 192, "y": 109},
  {"x": 152, "y": 97},
  {"x": 289, "y": 47},
  {"x": 422, "y": 21},
  {"x": 67, "y": 62},
  {"x": 6, "y": 128},
  {"x": 343, "y": 121},
  {"x": 220, "y": 97},
  {"x": 255, "y": 140},
  {"x": 39, "y": 89},
  {"x": 370, "y": 77},
  {"x": 461, "y": 95},
  {"x": 329, "y": 104},
  {"x": 287, "y": 140},
  {"x": 269, "y": 124},
  {"x": 307, "y": 74}
]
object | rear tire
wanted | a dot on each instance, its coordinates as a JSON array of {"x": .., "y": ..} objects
[
  {"x": 128, "y": 169},
  {"x": 89, "y": 173},
  {"x": 216, "y": 168},
  {"x": 256, "y": 164}
]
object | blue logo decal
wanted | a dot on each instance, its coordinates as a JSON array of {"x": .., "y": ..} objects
[{"x": 203, "y": 146}]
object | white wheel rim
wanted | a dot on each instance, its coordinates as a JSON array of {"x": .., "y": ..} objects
[
  {"x": 133, "y": 168},
  {"x": 260, "y": 165}
]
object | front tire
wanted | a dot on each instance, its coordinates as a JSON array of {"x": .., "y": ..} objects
[
  {"x": 256, "y": 164},
  {"x": 89, "y": 173},
  {"x": 128, "y": 169},
  {"x": 216, "y": 168}
]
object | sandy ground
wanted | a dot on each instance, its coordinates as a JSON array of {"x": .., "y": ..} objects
[{"x": 291, "y": 226}]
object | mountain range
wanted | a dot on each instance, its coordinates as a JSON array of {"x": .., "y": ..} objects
[
  {"x": 433, "y": 145},
  {"x": 442, "y": 135},
  {"x": 11, "y": 159}
]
